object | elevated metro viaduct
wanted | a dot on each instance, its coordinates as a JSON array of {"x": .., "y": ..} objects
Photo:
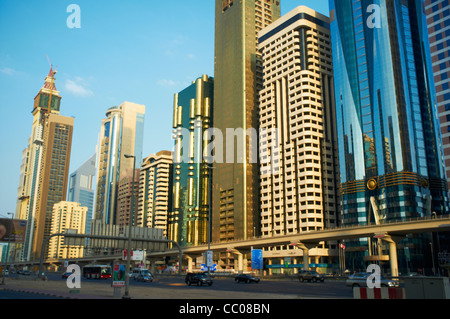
[{"x": 391, "y": 233}]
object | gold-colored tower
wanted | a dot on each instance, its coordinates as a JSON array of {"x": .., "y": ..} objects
[{"x": 238, "y": 77}]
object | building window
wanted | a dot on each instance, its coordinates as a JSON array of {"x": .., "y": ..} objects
[{"x": 226, "y": 4}]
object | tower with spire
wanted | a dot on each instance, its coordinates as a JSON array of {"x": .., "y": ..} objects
[
  {"x": 48, "y": 98},
  {"x": 45, "y": 167}
]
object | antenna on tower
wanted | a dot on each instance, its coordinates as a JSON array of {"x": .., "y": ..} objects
[
  {"x": 50, "y": 63},
  {"x": 52, "y": 75}
]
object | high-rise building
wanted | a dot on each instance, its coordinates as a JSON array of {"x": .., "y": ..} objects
[
  {"x": 438, "y": 20},
  {"x": 299, "y": 165},
  {"x": 192, "y": 116},
  {"x": 155, "y": 191},
  {"x": 391, "y": 158},
  {"x": 237, "y": 79},
  {"x": 45, "y": 165},
  {"x": 67, "y": 216},
  {"x": 81, "y": 188},
  {"x": 121, "y": 134},
  {"x": 127, "y": 200}
]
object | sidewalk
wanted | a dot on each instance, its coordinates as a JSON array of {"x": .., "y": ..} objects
[{"x": 58, "y": 289}]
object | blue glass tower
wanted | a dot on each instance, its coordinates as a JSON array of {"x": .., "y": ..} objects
[
  {"x": 391, "y": 159},
  {"x": 122, "y": 133},
  {"x": 81, "y": 188}
]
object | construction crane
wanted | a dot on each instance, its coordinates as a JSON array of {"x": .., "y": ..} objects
[{"x": 51, "y": 89}]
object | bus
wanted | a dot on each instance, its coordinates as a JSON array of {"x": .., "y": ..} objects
[{"x": 97, "y": 272}]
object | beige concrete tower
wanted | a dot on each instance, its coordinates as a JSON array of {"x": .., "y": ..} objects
[
  {"x": 66, "y": 215},
  {"x": 155, "y": 191},
  {"x": 298, "y": 140},
  {"x": 45, "y": 167}
]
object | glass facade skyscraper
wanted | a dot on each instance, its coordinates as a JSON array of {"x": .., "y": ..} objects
[
  {"x": 237, "y": 80},
  {"x": 391, "y": 159},
  {"x": 81, "y": 188},
  {"x": 188, "y": 220},
  {"x": 122, "y": 132}
]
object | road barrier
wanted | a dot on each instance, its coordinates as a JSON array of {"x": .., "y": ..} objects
[{"x": 378, "y": 293}]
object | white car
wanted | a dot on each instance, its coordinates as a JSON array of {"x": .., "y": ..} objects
[{"x": 360, "y": 280}]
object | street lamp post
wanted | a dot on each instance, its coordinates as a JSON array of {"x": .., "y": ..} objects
[
  {"x": 210, "y": 189},
  {"x": 127, "y": 275}
]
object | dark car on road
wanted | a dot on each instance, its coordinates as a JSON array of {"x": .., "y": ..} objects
[
  {"x": 200, "y": 279},
  {"x": 310, "y": 275},
  {"x": 66, "y": 275},
  {"x": 246, "y": 278}
]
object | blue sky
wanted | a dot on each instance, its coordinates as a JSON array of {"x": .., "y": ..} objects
[{"x": 141, "y": 51}]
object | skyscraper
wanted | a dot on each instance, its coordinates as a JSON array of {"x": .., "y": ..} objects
[
  {"x": 192, "y": 116},
  {"x": 237, "y": 79},
  {"x": 127, "y": 200},
  {"x": 67, "y": 215},
  {"x": 299, "y": 165},
  {"x": 45, "y": 165},
  {"x": 121, "y": 134},
  {"x": 391, "y": 159},
  {"x": 438, "y": 20},
  {"x": 81, "y": 188},
  {"x": 155, "y": 191}
]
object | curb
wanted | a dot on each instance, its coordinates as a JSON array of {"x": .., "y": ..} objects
[
  {"x": 53, "y": 293},
  {"x": 35, "y": 292}
]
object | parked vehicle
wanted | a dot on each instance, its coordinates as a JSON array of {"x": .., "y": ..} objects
[
  {"x": 310, "y": 275},
  {"x": 360, "y": 280},
  {"x": 246, "y": 278},
  {"x": 144, "y": 277},
  {"x": 200, "y": 279}
]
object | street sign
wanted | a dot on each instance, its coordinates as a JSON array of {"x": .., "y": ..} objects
[
  {"x": 209, "y": 258},
  {"x": 212, "y": 268},
  {"x": 119, "y": 275},
  {"x": 257, "y": 259}
]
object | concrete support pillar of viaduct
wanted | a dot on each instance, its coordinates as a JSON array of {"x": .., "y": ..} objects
[
  {"x": 152, "y": 265},
  {"x": 240, "y": 255},
  {"x": 306, "y": 247},
  {"x": 392, "y": 241},
  {"x": 189, "y": 261}
]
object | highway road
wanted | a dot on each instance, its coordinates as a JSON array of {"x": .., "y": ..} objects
[{"x": 226, "y": 287}]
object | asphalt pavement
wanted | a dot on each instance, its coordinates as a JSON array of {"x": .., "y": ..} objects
[{"x": 174, "y": 288}]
